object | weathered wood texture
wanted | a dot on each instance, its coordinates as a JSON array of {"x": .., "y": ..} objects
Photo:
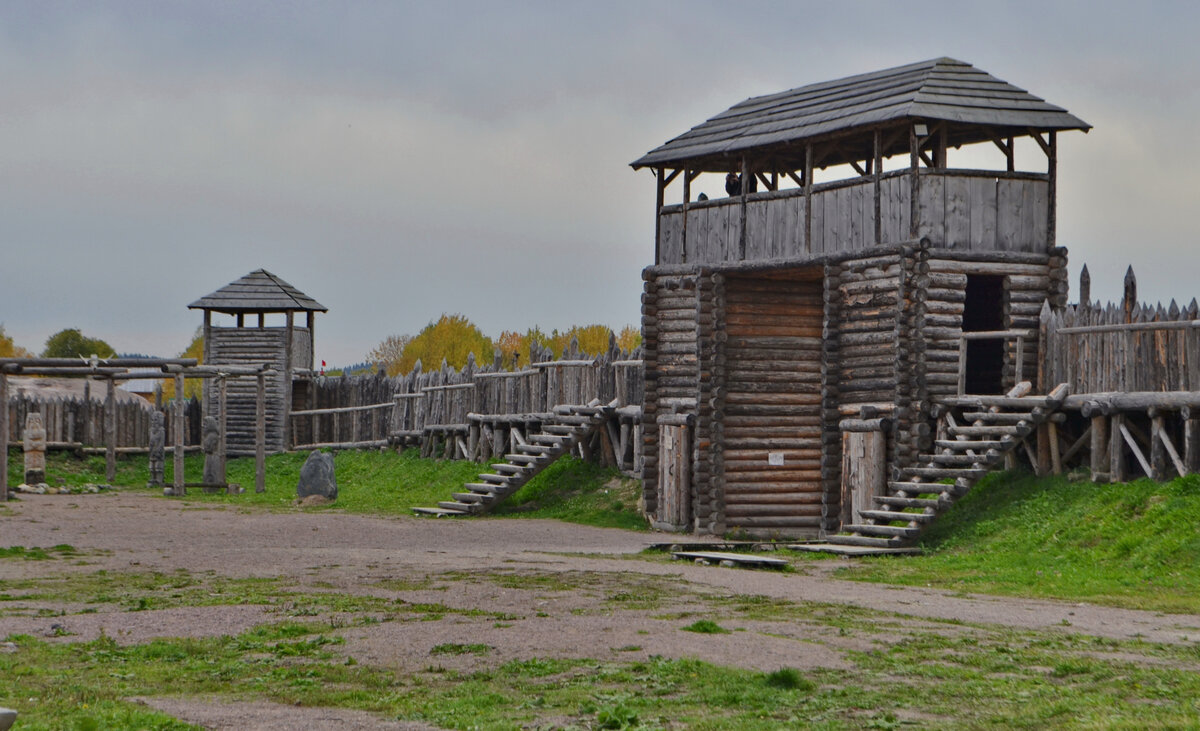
[
  {"x": 957, "y": 209},
  {"x": 674, "y": 504},
  {"x": 252, "y": 346},
  {"x": 73, "y": 423},
  {"x": 771, "y": 429},
  {"x": 1165, "y": 356},
  {"x": 670, "y": 311}
]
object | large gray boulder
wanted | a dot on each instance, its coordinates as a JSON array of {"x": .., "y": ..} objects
[
  {"x": 7, "y": 718},
  {"x": 317, "y": 478}
]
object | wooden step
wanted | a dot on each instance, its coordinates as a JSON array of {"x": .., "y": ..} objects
[
  {"x": 508, "y": 469},
  {"x": 472, "y": 497},
  {"x": 846, "y": 540},
  {"x": 888, "y": 515},
  {"x": 484, "y": 487},
  {"x": 974, "y": 445},
  {"x": 535, "y": 450},
  {"x": 497, "y": 479},
  {"x": 462, "y": 507},
  {"x": 990, "y": 431},
  {"x": 918, "y": 487},
  {"x": 571, "y": 420},
  {"x": 941, "y": 473},
  {"x": 525, "y": 459},
  {"x": 558, "y": 430},
  {"x": 549, "y": 439},
  {"x": 992, "y": 417},
  {"x": 908, "y": 502},
  {"x": 956, "y": 459},
  {"x": 439, "y": 512},
  {"x": 883, "y": 530}
]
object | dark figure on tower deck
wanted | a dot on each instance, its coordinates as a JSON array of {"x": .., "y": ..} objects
[{"x": 733, "y": 184}]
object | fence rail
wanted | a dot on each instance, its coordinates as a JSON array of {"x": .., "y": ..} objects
[{"x": 75, "y": 423}]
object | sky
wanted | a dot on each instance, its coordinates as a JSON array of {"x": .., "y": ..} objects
[{"x": 397, "y": 161}]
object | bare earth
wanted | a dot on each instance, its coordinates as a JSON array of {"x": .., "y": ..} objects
[{"x": 324, "y": 550}]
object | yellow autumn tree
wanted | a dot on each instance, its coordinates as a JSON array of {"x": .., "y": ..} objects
[
  {"x": 192, "y": 387},
  {"x": 9, "y": 349},
  {"x": 629, "y": 338},
  {"x": 452, "y": 337}
]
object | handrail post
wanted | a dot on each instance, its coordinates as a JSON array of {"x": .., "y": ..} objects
[
  {"x": 962, "y": 365},
  {"x": 1020, "y": 369}
]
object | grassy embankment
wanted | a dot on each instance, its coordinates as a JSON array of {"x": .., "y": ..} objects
[
  {"x": 1134, "y": 545},
  {"x": 381, "y": 483}
]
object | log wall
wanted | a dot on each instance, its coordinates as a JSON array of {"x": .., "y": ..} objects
[
  {"x": 961, "y": 209},
  {"x": 670, "y": 322},
  {"x": 770, "y": 440},
  {"x": 73, "y": 423},
  {"x": 252, "y": 346}
]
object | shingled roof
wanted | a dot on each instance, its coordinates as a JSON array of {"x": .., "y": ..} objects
[
  {"x": 940, "y": 89},
  {"x": 258, "y": 291}
]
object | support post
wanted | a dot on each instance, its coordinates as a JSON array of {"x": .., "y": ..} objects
[
  {"x": 876, "y": 172},
  {"x": 260, "y": 434},
  {"x": 660, "y": 185},
  {"x": 1052, "y": 191},
  {"x": 687, "y": 199},
  {"x": 1116, "y": 440},
  {"x": 1101, "y": 462},
  {"x": 1191, "y": 441},
  {"x": 177, "y": 488},
  {"x": 914, "y": 161},
  {"x": 223, "y": 447},
  {"x": 808, "y": 175},
  {"x": 745, "y": 191},
  {"x": 1158, "y": 452},
  {"x": 3, "y": 437},
  {"x": 110, "y": 431}
]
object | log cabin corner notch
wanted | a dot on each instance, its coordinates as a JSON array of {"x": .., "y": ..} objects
[{"x": 775, "y": 322}]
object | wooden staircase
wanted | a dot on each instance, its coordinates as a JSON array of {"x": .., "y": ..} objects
[
  {"x": 559, "y": 436},
  {"x": 993, "y": 427}
]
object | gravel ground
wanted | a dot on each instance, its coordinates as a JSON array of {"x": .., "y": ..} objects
[{"x": 325, "y": 550}]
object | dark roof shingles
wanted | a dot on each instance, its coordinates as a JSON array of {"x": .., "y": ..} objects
[{"x": 258, "y": 291}]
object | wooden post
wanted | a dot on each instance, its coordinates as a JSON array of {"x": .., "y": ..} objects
[
  {"x": 914, "y": 161},
  {"x": 88, "y": 437},
  {"x": 1101, "y": 461},
  {"x": 222, "y": 404},
  {"x": 1116, "y": 453},
  {"x": 808, "y": 175},
  {"x": 1191, "y": 440},
  {"x": 1129, "y": 303},
  {"x": 661, "y": 184},
  {"x": 110, "y": 431},
  {"x": 1052, "y": 191},
  {"x": 687, "y": 199},
  {"x": 1010, "y": 156},
  {"x": 745, "y": 191},
  {"x": 177, "y": 484},
  {"x": 3, "y": 437},
  {"x": 1158, "y": 452},
  {"x": 289, "y": 350},
  {"x": 876, "y": 172},
  {"x": 311, "y": 321},
  {"x": 260, "y": 434}
]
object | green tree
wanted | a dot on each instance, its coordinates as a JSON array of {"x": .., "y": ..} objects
[
  {"x": 451, "y": 337},
  {"x": 70, "y": 343}
]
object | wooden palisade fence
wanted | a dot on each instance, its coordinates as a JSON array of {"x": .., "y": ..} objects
[
  {"x": 473, "y": 413},
  {"x": 73, "y": 423}
]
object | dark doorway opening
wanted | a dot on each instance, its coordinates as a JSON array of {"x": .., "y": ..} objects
[{"x": 984, "y": 310}]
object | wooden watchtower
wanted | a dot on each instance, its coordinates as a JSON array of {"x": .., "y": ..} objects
[
  {"x": 248, "y": 340},
  {"x": 779, "y": 317}
]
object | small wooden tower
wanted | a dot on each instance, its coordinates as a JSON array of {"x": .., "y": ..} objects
[
  {"x": 785, "y": 316},
  {"x": 251, "y": 342}
]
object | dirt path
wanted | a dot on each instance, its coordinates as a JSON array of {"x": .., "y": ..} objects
[{"x": 570, "y": 614}]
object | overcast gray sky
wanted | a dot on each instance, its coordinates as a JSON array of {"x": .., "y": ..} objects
[{"x": 400, "y": 160}]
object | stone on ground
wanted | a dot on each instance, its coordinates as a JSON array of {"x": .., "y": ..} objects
[{"x": 317, "y": 478}]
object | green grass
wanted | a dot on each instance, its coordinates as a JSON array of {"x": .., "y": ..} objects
[
  {"x": 382, "y": 483},
  {"x": 1130, "y": 545},
  {"x": 706, "y": 627},
  {"x": 62, "y": 550}
]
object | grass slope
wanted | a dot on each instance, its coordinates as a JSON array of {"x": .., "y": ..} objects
[
  {"x": 382, "y": 483},
  {"x": 1131, "y": 545}
]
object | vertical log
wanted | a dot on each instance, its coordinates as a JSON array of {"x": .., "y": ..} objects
[
  {"x": 3, "y": 437},
  {"x": 1191, "y": 441},
  {"x": 808, "y": 173},
  {"x": 177, "y": 487},
  {"x": 746, "y": 181},
  {"x": 223, "y": 446},
  {"x": 88, "y": 436},
  {"x": 1116, "y": 468},
  {"x": 1051, "y": 190},
  {"x": 914, "y": 161},
  {"x": 876, "y": 173},
  {"x": 1101, "y": 461},
  {"x": 661, "y": 184},
  {"x": 260, "y": 435},
  {"x": 1129, "y": 303},
  {"x": 687, "y": 200},
  {"x": 110, "y": 431},
  {"x": 1158, "y": 451}
]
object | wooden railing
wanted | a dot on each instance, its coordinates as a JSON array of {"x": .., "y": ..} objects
[{"x": 1017, "y": 336}]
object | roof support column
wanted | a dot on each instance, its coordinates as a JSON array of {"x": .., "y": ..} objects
[
  {"x": 914, "y": 161},
  {"x": 745, "y": 188},
  {"x": 687, "y": 198},
  {"x": 808, "y": 174},
  {"x": 876, "y": 165},
  {"x": 1052, "y": 191},
  {"x": 661, "y": 175}
]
